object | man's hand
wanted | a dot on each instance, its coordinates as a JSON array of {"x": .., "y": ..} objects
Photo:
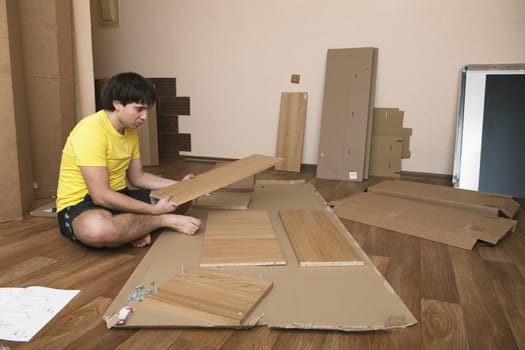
[{"x": 164, "y": 206}]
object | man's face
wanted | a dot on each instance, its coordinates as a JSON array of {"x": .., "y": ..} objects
[{"x": 133, "y": 114}]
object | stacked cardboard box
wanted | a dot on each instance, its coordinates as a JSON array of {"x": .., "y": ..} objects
[{"x": 390, "y": 142}]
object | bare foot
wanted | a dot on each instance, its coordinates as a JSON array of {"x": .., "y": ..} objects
[
  {"x": 182, "y": 223},
  {"x": 142, "y": 242}
]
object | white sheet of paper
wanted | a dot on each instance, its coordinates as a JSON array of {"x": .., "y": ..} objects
[{"x": 24, "y": 311}]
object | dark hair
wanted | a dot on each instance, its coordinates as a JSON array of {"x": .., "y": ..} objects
[{"x": 128, "y": 88}]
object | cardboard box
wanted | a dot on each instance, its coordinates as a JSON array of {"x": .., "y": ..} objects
[
  {"x": 346, "y": 126},
  {"x": 385, "y": 156}
]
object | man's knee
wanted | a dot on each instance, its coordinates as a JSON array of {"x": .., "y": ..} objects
[{"x": 96, "y": 230}]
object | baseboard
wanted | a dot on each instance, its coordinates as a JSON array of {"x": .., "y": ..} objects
[{"x": 437, "y": 179}]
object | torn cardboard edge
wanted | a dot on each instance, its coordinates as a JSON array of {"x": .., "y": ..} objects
[
  {"x": 482, "y": 202},
  {"x": 449, "y": 225},
  {"x": 349, "y": 298}
]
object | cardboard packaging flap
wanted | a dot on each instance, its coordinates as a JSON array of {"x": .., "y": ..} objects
[
  {"x": 482, "y": 202},
  {"x": 453, "y": 226}
]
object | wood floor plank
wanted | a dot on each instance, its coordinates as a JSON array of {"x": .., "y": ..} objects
[
  {"x": 213, "y": 339},
  {"x": 216, "y": 178},
  {"x": 295, "y": 340},
  {"x": 442, "y": 326},
  {"x": 217, "y": 297},
  {"x": 438, "y": 281},
  {"x": 317, "y": 241},
  {"x": 509, "y": 286},
  {"x": 404, "y": 275},
  {"x": 485, "y": 322},
  {"x": 259, "y": 338},
  {"x": 158, "y": 339},
  {"x": 378, "y": 241},
  {"x": 240, "y": 238},
  {"x": 27, "y": 267},
  {"x": 65, "y": 328},
  {"x": 355, "y": 340},
  {"x": 514, "y": 246}
]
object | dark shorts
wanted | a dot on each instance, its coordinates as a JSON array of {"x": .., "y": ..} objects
[{"x": 67, "y": 215}]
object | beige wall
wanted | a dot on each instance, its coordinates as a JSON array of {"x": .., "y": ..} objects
[{"x": 234, "y": 58}]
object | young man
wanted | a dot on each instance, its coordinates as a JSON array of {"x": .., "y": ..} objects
[{"x": 94, "y": 205}]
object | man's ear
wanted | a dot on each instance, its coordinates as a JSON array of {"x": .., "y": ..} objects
[{"x": 117, "y": 105}]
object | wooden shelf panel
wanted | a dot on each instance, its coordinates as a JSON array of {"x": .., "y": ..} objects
[
  {"x": 217, "y": 297},
  {"x": 216, "y": 178},
  {"x": 317, "y": 241},
  {"x": 240, "y": 238}
]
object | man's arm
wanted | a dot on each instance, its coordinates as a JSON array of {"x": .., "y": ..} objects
[
  {"x": 141, "y": 179},
  {"x": 97, "y": 181}
]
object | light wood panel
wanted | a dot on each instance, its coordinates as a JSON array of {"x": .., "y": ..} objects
[
  {"x": 217, "y": 297},
  {"x": 316, "y": 240},
  {"x": 290, "y": 137},
  {"x": 234, "y": 238},
  {"x": 216, "y": 178}
]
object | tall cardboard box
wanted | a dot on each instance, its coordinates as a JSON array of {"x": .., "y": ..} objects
[{"x": 346, "y": 126}]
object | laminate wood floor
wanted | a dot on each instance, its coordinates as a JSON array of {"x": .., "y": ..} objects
[{"x": 462, "y": 299}]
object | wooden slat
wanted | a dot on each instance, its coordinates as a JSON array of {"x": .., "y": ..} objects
[
  {"x": 234, "y": 238},
  {"x": 214, "y": 179},
  {"x": 290, "y": 137},
  {"x": 316, "y": 240},
  {"x": 217, "y": 297}
]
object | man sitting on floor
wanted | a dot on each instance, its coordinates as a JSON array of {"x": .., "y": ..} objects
[{"x": 100, "y": 156}]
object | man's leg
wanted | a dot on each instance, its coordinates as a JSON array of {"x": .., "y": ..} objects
[{"x": 101, "y": 228}]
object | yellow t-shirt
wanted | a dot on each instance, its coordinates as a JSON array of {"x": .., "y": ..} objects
[{"x": 94, "y": 142}]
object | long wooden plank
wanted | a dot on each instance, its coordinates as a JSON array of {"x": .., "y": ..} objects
[
  {"x": 290, "y": 137},
  {"x": 217, "y": 297},
  {"x": 216, "y": 178},
  {"x": 316, "y": 240},
  {"x": 245, "y": 238}
]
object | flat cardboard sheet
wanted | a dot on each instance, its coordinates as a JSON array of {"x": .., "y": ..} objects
[
  {"x": 456, "y": 227},
  {"x": 482, "y": 202},
  {"x": 347, "y": 298}
]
